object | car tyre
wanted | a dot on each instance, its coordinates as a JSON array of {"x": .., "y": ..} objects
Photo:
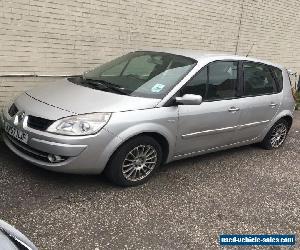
[
  {"x": 276, "y": 135},
  {"x": 134, "y": 162}
]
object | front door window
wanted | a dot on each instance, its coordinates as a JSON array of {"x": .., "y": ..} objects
[{"x": 216, "y": 81}]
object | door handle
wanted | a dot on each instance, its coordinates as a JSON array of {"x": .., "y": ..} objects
[
  {"x": 272, "y": 105},
  {"x": 233, "y": 109}
]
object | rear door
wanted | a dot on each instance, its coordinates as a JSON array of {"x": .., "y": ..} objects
[{"x": 260, "y": 100}]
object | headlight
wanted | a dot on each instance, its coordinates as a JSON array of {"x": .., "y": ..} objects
[{"x": 80, "y": 124}]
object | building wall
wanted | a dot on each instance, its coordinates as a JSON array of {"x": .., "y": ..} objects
[{"x": 70, "y": 36}]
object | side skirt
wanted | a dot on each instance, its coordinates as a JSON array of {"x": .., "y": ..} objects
[{"x": 215, "y": 149}]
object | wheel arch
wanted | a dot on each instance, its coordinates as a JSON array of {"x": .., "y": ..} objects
[
  {"x": 163, "y": 142},
  {"x": 285, "y": 114},
  {"x": 165, "y": 137},
  {"x": 161, "y": 139},
  {"x": 289, "y": 120}
]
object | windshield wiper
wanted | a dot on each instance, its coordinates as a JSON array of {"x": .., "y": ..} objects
[
  {"x": 106, "y": 84},
  {"x": 93, "y": 85}
]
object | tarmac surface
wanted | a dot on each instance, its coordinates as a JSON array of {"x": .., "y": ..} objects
[{"x": 186, "y": 205}]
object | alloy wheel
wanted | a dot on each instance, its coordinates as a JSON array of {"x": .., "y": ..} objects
[
  {"x": 139, "y": 162},
  {"x": 278, "y": 135}
]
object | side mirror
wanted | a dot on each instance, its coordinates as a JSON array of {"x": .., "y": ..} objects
[{"x": 189, "y": 99}]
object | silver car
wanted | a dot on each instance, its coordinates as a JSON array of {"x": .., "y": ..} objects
[
  {"x": 12, "y": 239},
  {"x": 146, "y": 108}
]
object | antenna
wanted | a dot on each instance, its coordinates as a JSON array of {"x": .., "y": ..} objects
[{"x": 250, "y": 50}]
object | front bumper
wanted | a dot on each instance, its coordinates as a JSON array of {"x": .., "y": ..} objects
[{"x": 81, "y": 154}]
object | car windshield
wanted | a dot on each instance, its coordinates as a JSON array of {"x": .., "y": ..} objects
[{"x": 142, "y": 74}]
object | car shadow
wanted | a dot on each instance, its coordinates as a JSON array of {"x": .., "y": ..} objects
[
  {"x": 14, "y": 164},
  {"x": 213, "y": 156}
]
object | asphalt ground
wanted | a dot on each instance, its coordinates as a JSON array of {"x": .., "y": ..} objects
[{"x": 186, "y": 205}]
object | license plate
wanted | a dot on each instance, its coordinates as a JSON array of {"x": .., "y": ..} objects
[{"x": 16, "y": 133}]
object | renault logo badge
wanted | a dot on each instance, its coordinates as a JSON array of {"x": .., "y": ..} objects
[{"x": 19, "y": 118}]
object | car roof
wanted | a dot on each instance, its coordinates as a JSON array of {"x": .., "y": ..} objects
[{"x": 203, "y": 55}]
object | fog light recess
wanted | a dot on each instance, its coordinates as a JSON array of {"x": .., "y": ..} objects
[{"x": 55, "y": 158}]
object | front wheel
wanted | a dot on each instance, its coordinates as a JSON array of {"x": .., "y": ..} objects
[
  {"x": 134, "y": 162},
  {"x": 276, "y": 136}
]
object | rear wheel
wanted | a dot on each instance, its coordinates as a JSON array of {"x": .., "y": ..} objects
[
  {"x": 134, "y": 162},
  {"x": 276, "y": 136}
]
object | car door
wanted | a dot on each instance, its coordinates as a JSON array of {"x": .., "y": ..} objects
[
  {"x": 260, "y": 101},
  {"x": 212, "y": 123}
]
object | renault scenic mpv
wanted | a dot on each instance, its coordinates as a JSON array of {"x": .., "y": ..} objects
[{"x": 146, "y": 108}]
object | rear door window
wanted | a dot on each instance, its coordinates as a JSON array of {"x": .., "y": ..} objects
[
  {"x": 278, "y": 77},
  {"x": 258, "y": 79}
]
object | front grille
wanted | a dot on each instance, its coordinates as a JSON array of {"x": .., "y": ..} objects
[
  {"x": 27, "y": 150},
  {"x": 13, "y": 110},
  {"x": 38, "y": 123}
]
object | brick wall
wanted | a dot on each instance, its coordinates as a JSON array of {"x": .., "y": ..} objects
[{"x": 70, "y": 36}]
